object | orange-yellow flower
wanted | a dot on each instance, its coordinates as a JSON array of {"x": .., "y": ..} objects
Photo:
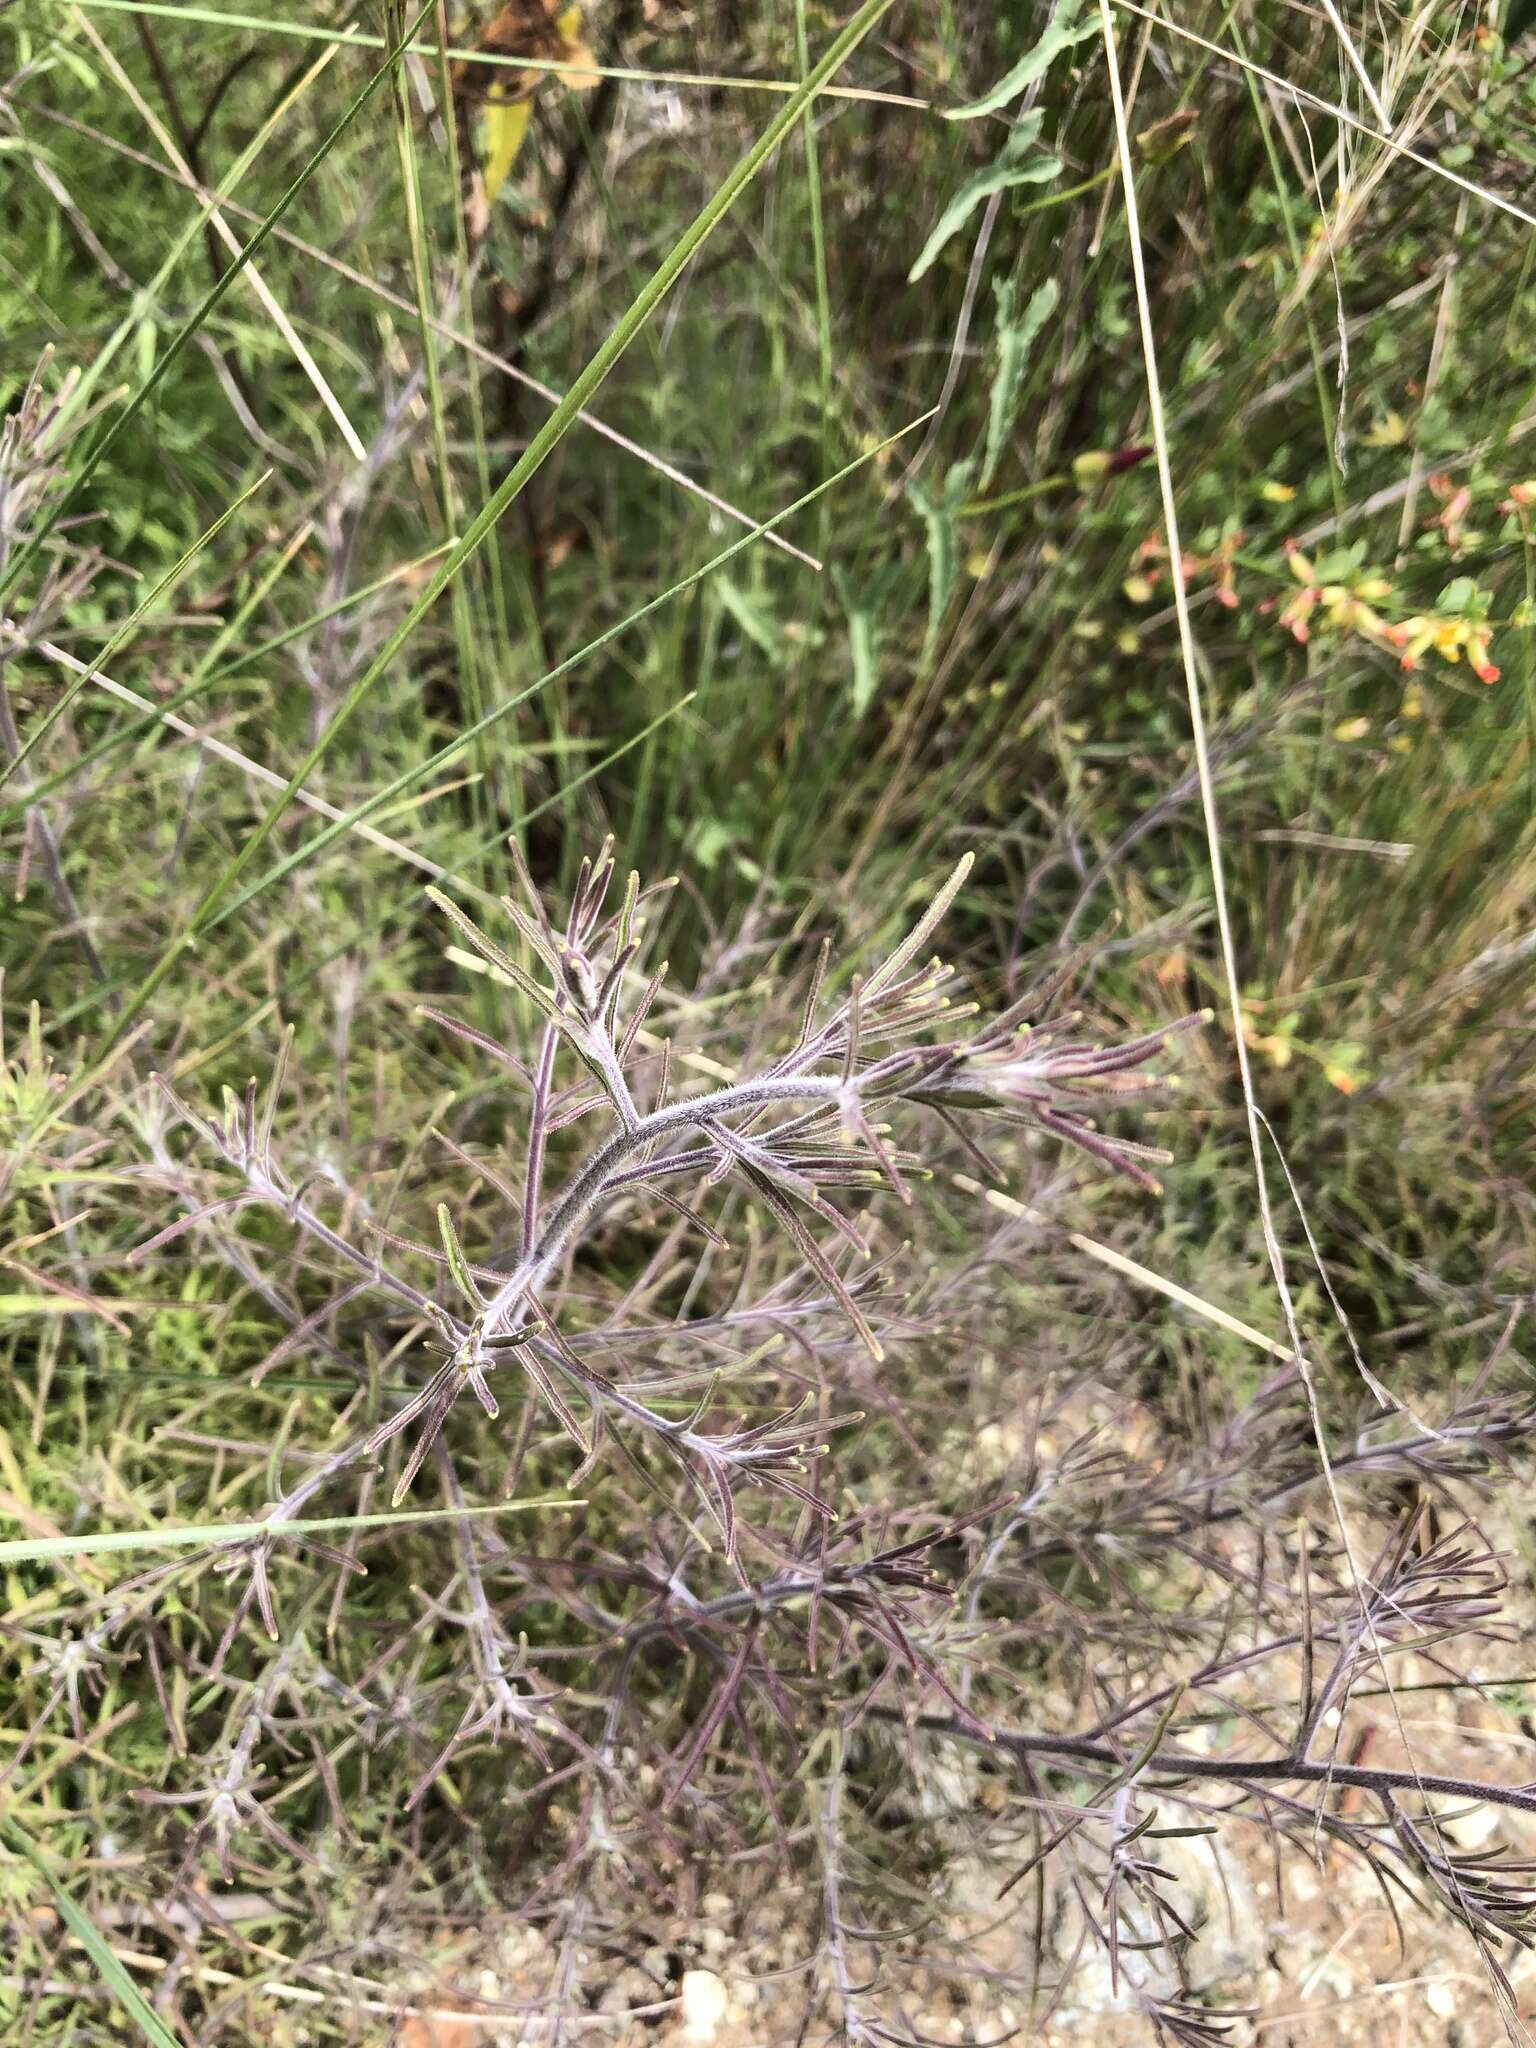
[
  {"x": 1346, "y": 607},
  {"x": 1456, "y": 502},
  {"x": 1449, "y": 638}
]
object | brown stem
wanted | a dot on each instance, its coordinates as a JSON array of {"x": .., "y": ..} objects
[{"x": 1282, "y": 1770}]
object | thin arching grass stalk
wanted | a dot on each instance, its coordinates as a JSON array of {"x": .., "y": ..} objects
[
  {"x": 123, "y": 634},
  {"x": 539, "y": 448},
  {"x": 493, "y": 59},
  {"x": 103, "y": 442}
]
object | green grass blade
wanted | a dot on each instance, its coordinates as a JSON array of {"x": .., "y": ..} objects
[
  {"x": 265, "y": 649},
  {"x": 558, "y": 424},
  {"x": 208, "y": 675},
  {"x": 467, "y": 641},
  {"x": 493, "y": 60},
  {"x": 40, "y": 1549},
  {"x": 548, "y": 437},
  {"x": 818, "y": 237},
  {"x": 120, "y": 638},
  {"x": 113, "y": 431},
  {"x": 637, "y": 739},
  {"x": 95, "y": 370},
  {"x": 423, "y": 770},
  {"x": 109, "y": 1970}
]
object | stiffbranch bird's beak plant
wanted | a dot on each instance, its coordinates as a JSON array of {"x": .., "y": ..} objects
[
  {"x": 864, "y": 1545},
  {"x": 808, "y": 1121}
]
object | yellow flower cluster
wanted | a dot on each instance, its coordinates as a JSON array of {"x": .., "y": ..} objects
[
  {"x": 1449, "y": 638},
  {"x": 1349, "y": 607},
  {"x": 1345, "y": 607}
]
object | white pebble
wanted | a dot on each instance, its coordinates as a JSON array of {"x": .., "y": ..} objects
[{"x": 704, "y": 2004}]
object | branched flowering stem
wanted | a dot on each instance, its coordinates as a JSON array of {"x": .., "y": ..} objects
[
  {"x": 800, "y": 1132},
  {"x": 506, "y": 1310},
  {"x": 1258, "y": 1772},
  {"x": 871, "y": 1048}
]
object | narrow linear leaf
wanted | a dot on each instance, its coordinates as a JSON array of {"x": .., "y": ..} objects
[
  {"x": 813, "y": 1255},
  {"x": 922, "y": 931},
  {"x": 1015, "y": 338},
  {"x": 106, "y": 1965},
  {"x": 940, "y": 514},
  {"x": 506, "y": 967},
  {"x": 1062, "y": 34},
  {"x": 458, "y": 1265},
  {"x": 529, "y": 1360},
  {"x": 34, "y": 1550}
]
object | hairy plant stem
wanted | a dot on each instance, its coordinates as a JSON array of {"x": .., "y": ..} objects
[
  {"x": 1029, "y": 1745},
  {"x": 508, "y": 1309}
]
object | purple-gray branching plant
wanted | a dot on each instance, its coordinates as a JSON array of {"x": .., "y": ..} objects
[
  {"x": 930, "y": 1644},
  {"x": 806, "y": 1123}
]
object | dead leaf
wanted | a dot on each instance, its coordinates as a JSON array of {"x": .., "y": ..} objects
[
  {"x": 526, "y": 28},
  {"x": 504, "y": 97},
  {"x": 563, "y": 543},
  {"x": 583, "y": 74},
  {"x": 1167, "y": 137},
  {"x": 505, "y": 123}
]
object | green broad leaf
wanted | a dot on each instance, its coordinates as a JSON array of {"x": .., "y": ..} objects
[
  {"x": 1011, "y": 168},
  {"x": 1015, "y": 337},
  {"x": 940, "y": 515},
  {"x": 708, "y": 840},
  {"x": 861, "y": 650},
  {"x": 862, "y": 609},
  {"x": 753, "y": 617},
  {"x": 1063, "y": 33}
]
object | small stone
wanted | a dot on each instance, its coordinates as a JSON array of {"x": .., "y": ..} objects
[
  {"x": 1441, "y": 2000},
  {"x": 704, "y": 2004},
  {"x": 1475, "y": 1828},
  {"x": 437, "y": 2030},
  {"x": 1333, "y": 1974}
]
